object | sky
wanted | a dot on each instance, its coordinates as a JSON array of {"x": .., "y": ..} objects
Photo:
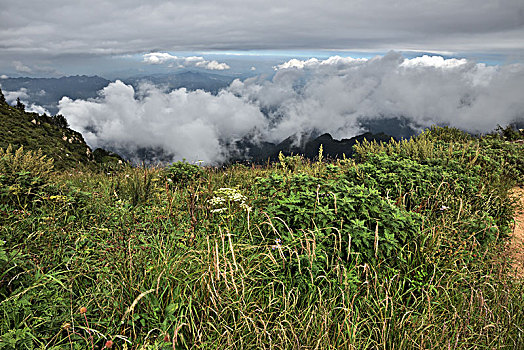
[
  {"x": 302, "y": 66},
  {"x": 50, "y": 38}
]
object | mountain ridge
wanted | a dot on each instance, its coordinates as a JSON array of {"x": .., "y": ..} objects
[
  {"x": 47, "y": 92},
  {"x": 51, "y": 134}
]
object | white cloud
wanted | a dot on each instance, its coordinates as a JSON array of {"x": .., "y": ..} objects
[
  {"x": 433, "y": 61},
  {"x": 3, "y": 76},
  {"x": 193, "y": 125},
  {"x": 296, "y": 63},
  {"x": 11, "y": 96},
  {"x": 212, "y": 65},
  {"x": 21, "y": 68},
  {"x": 332, "y": 95},
  {"x": 314, "y": 63},
  {"x": 159, "y": 57},
  {"x": 37, "y": 109},
  {"x": 180, "y": 62}
]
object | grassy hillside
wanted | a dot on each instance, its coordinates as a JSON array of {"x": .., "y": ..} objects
[
  {"x": 50, "y": 134},
  {"x": 19, "y": 128},
  {"x": 401, "y": 247}
]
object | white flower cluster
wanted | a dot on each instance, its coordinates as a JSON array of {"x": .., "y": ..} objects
[
  {"x": 226, "y": 195},
  {"x": 277, "y": 245}
]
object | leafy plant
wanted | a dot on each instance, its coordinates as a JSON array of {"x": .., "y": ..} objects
[
  {"x": 364, "y": 222},
  {"x": 290, "y": 163},
  {"x": 183, "y": 172}
]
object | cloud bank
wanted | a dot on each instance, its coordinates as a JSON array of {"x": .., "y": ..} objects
[
  {"x": 23, "y": 95},
  {"x": 193, "y": 125},
  {"x": 11, "y": 96},
  {"x": 182, "y": 62},
  {"x": 333, "y": 95}
]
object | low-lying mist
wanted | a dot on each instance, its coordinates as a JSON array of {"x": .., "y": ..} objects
[{"x": 334, "y": 95}]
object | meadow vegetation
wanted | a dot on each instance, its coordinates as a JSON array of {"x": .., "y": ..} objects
[{"x": 399, "y": 247}]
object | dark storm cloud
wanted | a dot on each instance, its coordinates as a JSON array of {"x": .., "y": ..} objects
[{"x": 46, "y": 28}]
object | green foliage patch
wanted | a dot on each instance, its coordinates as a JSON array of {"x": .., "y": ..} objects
[
  {"x": 183, "y": 172},
  {"x": 401, "y": 247},
  {"x": 364, "y": 222}
]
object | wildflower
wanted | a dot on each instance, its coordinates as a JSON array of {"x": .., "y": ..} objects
[
  {"x": 109, "y": 344},
  {"x": 245, "y": 207},
  {"x": 226, "y": 195},
  {"x": 278, "y": 244},
  {"x": 443, "y": 208},
  {"x": 66, "y": 325},
  {"x": 83, "y": 310}
]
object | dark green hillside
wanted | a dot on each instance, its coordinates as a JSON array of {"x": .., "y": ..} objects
[{"x": 51, "y": 134}]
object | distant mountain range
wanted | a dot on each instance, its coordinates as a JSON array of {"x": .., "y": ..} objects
[
  {"x": 307, "y": 145},
  {"x": 189, "y": 80},
  {"x": 46, "y": 92}
]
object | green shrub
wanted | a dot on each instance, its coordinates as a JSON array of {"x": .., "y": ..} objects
[
  {"x": 290, "y": 163},
  {"x": 446, "y": 134},
  {"x": 509, "y": 133},
  {"x": 416, "y": 147},
  {"x": 182, "y": 172},
  {"x": 434, "y": 143},
  {"x": 503, "y": 158},
  {"x": 346, "y": 218},
  {"x": 438, "y": 186},
  {"x": 409, "y": 181}
]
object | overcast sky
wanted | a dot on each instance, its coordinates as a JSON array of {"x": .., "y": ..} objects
[
  {"x": 53, "y": 37},
  {"x": 314, "y": 65}
]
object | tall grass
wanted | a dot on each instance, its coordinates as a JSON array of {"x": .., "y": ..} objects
[{"x": 155, "y": 267}]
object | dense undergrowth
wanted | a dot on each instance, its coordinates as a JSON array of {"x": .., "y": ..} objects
[{"x": 398, "y": 248}]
